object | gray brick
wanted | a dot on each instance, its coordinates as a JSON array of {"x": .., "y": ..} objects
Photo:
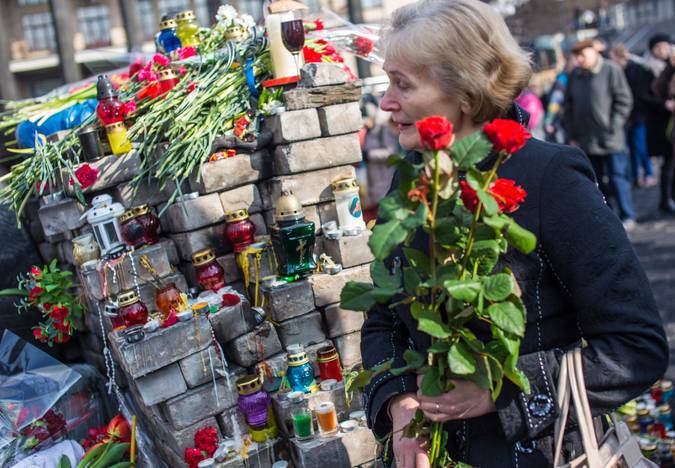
[
  {"x": 293, "y": 126},
  {"x": 179, "y": 440},
  {"x": 350, "y": 251},
  {"x": 197, "y": 368},
  {"x": 161, "y": 385},
  {"x": 322, "y": 74},
  {"x": 113, "y": 170},
  {"x": 306, "y": 98},
  {"x": 361, "y": 446},
  {"x": 304, "y": 330},
  {"x": 309, "y": 188},
  {"x": 145, "y": 193},
  {"x": 61, "y": 216},
  {"x": 317, "y": 154},
  {"x": 349, "y": 349},
  {"x": 327, "y": 288},
  {"x": 232, "y": 421},
  {"x": 153, "y": 352},
  {"x": 232, "y": 322},
  {"x": 288, "y": 301},
  {"x": 64, "y": 252},
  {"x": 340, "y": 119},
  {"x": 283, "y": 413},
  {"x": 242, "y": 197},
  {"x": 254, "y": 346},
  {"x": 47, "y": 251},
  {"x": 233, "y": 172},
  {"x": 317, "y": 451},
  {"x": 171, "y": 250},
  {"x": 199, "y": 403},
  {"x": 189, "y": 215},
  {"x": 342, "y": 322}
]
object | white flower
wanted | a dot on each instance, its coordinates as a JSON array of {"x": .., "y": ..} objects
[
  {"x": 226, "y": 13},
  {"x": 247, "y": 21}
]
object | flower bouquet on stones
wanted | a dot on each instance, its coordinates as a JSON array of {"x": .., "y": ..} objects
[{"x": 453, "y": 198}]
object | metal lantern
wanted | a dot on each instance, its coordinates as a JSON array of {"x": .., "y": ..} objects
[{"x": 103, "y": 219}]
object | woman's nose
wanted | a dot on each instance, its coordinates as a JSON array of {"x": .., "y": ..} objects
[{"x": 389, "y": 104}]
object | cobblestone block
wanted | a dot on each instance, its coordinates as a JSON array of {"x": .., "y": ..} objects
[
  {"x": 318, "y": 451},
  {"x": 342, "y": 322},
  {"x": 254, "y": 346},
  {"x": 242, "y": 197},
  {"x": 213, "y": 237},
  {"x": 232, "y": 172},
  {"x": 317, "y": 154},
  {"x": 340, "y": 119},
  {"x": 307, "y": 98},
  {"x": 350, "y": 251},
  {"x": 200, "y": 367},
  {"x": 232, "y": 322},
  {"x": 161, "y": 385},
  {"x": 327, "y": 288},
  {"x": 161, "y": 348},
  {"x": 361, "y": 446},
  {"x": 171, "y": 251},
  {"x": 282, "y": 408},
  {"x": 199, "y": 403},
  {"x": 145, "y": 193},
  {"x": 47, "y": 251},
  {"x": 259, "y": 456},
  {"x": 289, "y": 300},
  {"x": 304, "y": 330},
  {"x": 61, "y": 216},
  {"x": 64, "y": 252},
  {"x": 179, "y": 440},
  {"x": 232, "y": 422},
  {"x": 189, "y": 215},
  {"x": 309, "y": 188},
  {"x": 293, "y": 126},
  {"x": 322, "y": 74},
  {"x": 349, "y": 349},
  {"x": 112, "y": 171}
]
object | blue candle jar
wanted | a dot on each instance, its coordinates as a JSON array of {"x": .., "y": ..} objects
[
  {"x": 167, "y": 39},
  {"x": 300, "y": 373}
]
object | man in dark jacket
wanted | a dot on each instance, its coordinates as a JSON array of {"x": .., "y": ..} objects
[{"x": 597, "y": 106}]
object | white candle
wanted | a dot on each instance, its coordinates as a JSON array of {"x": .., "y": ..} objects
[{"x": 283, "y": 64}]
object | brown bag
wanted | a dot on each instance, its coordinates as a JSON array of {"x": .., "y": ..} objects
[{"x": 618, "y": 447}]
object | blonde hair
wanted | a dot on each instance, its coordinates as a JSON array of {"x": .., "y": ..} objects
[{"x": 466, "y": 47}]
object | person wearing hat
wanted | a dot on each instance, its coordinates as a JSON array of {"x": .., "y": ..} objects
[{"x": 597, "y": 105}]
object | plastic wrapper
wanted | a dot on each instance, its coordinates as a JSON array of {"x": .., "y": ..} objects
[
  {"x": 42, "y": 401},
  {"x": 357, "y": 39}
]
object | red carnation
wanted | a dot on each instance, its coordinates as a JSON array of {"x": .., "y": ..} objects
[
  {"x": 129, "y": 107},
  {"x": 161, "y": 60},
  {"x": 206, "y": 439},
  {"x": 435, "y": 132},
  {"x": 59, "y": 313},
  {"x": 85, "y": 175},
  {"x": 191, "y": 87},
  {"x": 507, "y": 194},
  {"x": 186, "y": 52},
  {"x": 506, "y": 135},
  {"x": 193, "y": 457},
  {"x": 35, "y": 272},
  {"x": 311, "y": 55},
  {"x": 34, "y": 293},
  {"x": 135, "y": 67},
  {"x": 363, "y": 46}
]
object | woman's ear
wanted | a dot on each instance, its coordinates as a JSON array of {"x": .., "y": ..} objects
[{"x": 465, "y": 107}]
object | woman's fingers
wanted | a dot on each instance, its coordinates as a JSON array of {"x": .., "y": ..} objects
[{"x": 422, "y": 459}]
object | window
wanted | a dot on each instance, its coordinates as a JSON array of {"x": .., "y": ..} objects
[
  {"x": 38, "y": 31},
  {"x": 94, "y": 25}
]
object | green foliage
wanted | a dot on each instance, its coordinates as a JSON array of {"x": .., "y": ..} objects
[{"x": 470, "y": 150}]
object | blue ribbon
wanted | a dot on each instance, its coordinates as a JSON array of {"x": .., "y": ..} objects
[{"x": 250, "y": 78}]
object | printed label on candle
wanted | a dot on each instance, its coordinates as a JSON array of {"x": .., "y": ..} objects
[{"x": 355, "y": 207}]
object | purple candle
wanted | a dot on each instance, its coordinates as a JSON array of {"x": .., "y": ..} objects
[{"x": 253, "y": 400}]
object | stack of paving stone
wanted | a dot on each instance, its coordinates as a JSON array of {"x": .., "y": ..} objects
[{"x": 182, "y": 378}]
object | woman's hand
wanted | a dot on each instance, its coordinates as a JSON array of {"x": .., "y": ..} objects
[
  {"x": 408, "y": 453},
  {"x": 466, "y": 400}
]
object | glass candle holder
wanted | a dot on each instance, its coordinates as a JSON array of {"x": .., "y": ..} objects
[
  {"x": 167, "y": 36},
  {"x": 187, "y": 28},
  {"x": 150, "y": 223},
  {"x": 300, "y": 373},
  {"x": 240, "y": 229},
  {"x": 329, "y": 364},
  {"x": 131, "y": 309},
  {"x": 302, "y": 423},
  {"x": 169, "y": 300},
  {"x": 327, "y": 418},
  {"x": 118, "y": 139},
  {"x": 210, "y": 274},
  {"x": 253, "y": 401}
]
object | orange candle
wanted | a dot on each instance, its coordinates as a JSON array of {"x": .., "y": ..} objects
[{"x": 327, "y": 417}]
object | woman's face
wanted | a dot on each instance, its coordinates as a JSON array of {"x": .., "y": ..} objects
[{"x": 413, "y": 95}]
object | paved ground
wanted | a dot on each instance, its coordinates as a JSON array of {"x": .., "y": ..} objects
[{"x": 654, "y": 241}]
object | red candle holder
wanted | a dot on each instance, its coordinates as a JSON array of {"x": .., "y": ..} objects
[
  {"x": 240, "y": 230},
  {"x": 167, "y": 80},
  {"x": 210, "y": 275},
  {"x": 131, "y": 310},
  {"x": 329, "y": 364}
]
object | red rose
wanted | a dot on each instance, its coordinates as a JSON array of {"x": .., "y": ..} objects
[
  {"x": 61, "y": 338},
  {"x": 469, "y": 196},
  {"x": 506, "y": 135},
  {"x": 35, "y": 272},
  {"x": 34, "y": 293},
  {"x": 507, "y": 194},
  {"x": 85, "y": 175},
  {"x": 56, "y": 423},
  {"x": 59, "y": 313},
  {"x": 193, "y": 457},
  {"x": 363, "y": 46},
  {"x": 435, "y": 132},
  {"x": 62, "y": 327},
  {"x": 206, "y": 439},
  {"x": 39, "y": 334}
]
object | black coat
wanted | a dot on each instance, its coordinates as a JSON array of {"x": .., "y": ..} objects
[{"x": 583, "y": 280}]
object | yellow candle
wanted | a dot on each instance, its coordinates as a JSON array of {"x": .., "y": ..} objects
[{"x": 117, "y": 137}]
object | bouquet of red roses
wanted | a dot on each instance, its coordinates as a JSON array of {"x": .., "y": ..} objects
[
  {"x": 206, "y": 443},
  {"x": 455, "y": 283}
]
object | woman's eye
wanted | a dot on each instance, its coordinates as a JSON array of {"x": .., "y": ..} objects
[{"x": 402, "y": 85}]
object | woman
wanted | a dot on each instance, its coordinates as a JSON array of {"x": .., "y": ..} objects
[{"x": 456, "y": 58}]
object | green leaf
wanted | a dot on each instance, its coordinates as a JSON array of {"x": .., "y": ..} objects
[
  {"x": 463, "y": 290},
  {"x": 418, "y": 219},
  {"x": 383, "y": 295},
  {"x": 447, "y": 231},
  {"x": 357, "y": 296},
  {"x": 439, "y": 347},
  {"x": 386, "y": 237},
  {"x": 418, "y": 260},
  {"x": 460, "y": 359},
  {"x": 486, "y": 253},
  {"x": 470, "y": 150},
  {"x": 520, "y": 379},
  {"x": 509, "y": 341},
  {"x": 508, "y": 317},
  {"x": 497, "y": 287},
  {"x": 51, "y": 287},
  {"x": 471, "y": 340},
  {"x": 490, "y": 205},
  {"x": 520, "y": 238},
  {"x": 498, "y": 223},
  {"x": 392, "y": 207},
  {"x": 414, "y": 360},
  {"x": 479, "y": 379},
  {"x": 411, "y": 280},
  {"x": 432, "y": 324},
  {"x": 475, "y": 178},
  {"x": 361, "y": 380},
  {"x": 383, "y": 278},
  {"x": 431, "y": 383}
]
